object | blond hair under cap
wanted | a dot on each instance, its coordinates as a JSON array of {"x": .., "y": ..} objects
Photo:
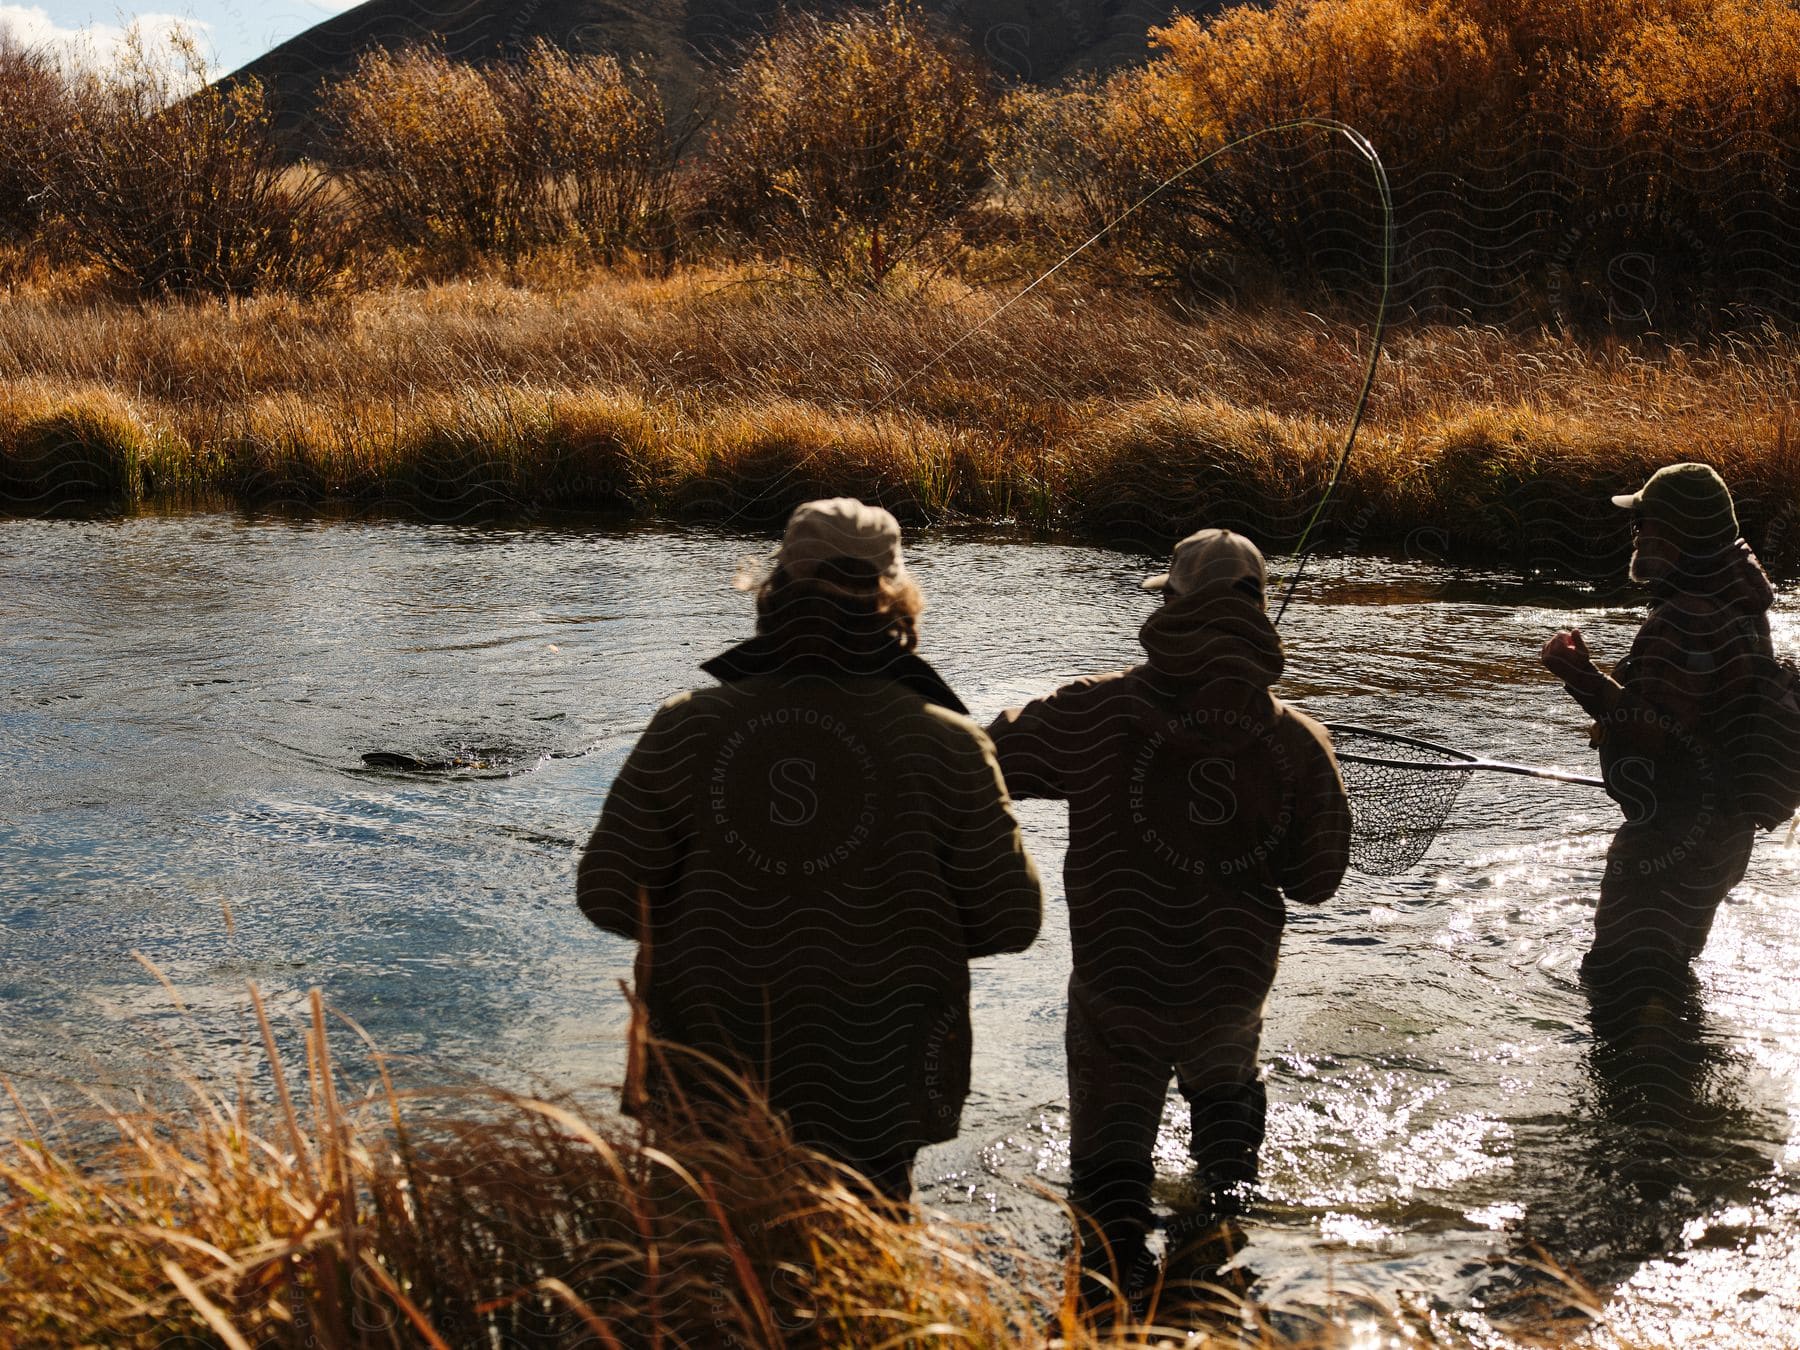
[
  {"x": 837, "y": 528},
  {"x": 1210, "y": 557}
]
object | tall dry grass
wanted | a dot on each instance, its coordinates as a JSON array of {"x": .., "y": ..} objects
[
  {"x": 698, "y": 396},
  {"x": 336, "y": 1213},
  {"x": 306, "y": 1204}
]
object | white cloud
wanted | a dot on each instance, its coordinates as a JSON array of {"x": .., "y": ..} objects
[{"x": 94, "y": 44}]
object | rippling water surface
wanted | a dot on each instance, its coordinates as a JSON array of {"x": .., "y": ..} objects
[{"x": 186, "y": 707}]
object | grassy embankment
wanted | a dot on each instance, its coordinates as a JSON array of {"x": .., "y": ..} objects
[
  {"x": 708, "y": 396},
  {"x": 334, "y": 1209}
]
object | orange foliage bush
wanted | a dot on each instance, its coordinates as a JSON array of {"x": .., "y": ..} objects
[
  {"x": 31, "y": 102},
  {"x": 174, "y": 186},
  {"x": 601, "y": 149},
  {"x": 1571, "y": 149},
  {"x": 854, "y": 144},
  {"x": 463, "y": 161},
  {"x": 430, "y": 153}
]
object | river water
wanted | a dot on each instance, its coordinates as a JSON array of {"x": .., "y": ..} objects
[{"x": 186, "y": 706}]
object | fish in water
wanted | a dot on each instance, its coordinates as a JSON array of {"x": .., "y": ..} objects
[
  {"x": 482, "y": 759},
  {"x": 460, "y": 762}
]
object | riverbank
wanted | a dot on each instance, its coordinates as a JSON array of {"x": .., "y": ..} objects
[{"x": 711, "y": 396}]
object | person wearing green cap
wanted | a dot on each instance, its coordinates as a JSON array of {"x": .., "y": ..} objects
[{"x": 1672, "y": 725}]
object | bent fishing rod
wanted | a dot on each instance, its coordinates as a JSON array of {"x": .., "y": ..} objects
[{"x": 1358, "y": 142}]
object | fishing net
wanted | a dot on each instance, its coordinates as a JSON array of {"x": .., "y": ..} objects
[{"x": 1401, "y": 792}]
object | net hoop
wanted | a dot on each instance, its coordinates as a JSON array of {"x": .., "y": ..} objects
[
  {"x": 1449, "y": 758},
  {"x": 1459, "y": 761},
  {"x": 1395, "y": 810},
  {"x": 1398, "y": 805}
]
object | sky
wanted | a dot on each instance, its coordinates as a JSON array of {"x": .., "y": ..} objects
[{"x": 231, "y": 32}]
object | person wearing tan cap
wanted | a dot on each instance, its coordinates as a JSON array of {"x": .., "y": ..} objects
[
  {"x": 810, "y": 853},
  {"x": 1677, "y": 730},
  {"x": 1199, "y": 803}
]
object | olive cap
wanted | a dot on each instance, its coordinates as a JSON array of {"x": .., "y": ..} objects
[{"x": 1691, "y": 499}]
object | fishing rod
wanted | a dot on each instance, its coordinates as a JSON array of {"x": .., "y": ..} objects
[
  {"x": 1301, "y": 549},
  {"x": 1358, "y": 142}
]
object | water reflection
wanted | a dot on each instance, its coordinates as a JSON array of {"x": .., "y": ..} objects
[{"x": 1670, "y": 1132}]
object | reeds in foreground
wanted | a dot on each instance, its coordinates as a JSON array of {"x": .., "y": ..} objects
[
  {"x": 322, "y": 1213},
  {"x": 334, "y": 1216}
]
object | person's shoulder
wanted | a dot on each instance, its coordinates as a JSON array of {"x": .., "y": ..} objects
[
  {"x": 949, "y": 724},
  {"x": 676, "y": 704},
  {"x": 1068, "y": 704},
  {"x": 1079, "y": 702},
  {"x": 946, "y": 720},
  {"x": 687, "y": 712},
  {"x": 1093, "y": 690},
  {"x": 1301, "y": 724}
]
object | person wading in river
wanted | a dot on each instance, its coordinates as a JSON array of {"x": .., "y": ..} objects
[
  {"x": 1197, "y": 801},
  {"x": 1678, "y": 729},
  {"x": 809, "y": 855}
]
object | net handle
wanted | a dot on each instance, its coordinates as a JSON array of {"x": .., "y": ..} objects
[{"x": 1462, "y": 762}]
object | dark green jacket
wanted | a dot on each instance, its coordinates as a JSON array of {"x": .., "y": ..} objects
[{"x": 1675, "y": 722}]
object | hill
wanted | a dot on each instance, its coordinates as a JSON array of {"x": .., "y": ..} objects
[{"x": 678, "y": 40}]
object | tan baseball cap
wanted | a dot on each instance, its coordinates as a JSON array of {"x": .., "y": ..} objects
[
  {"x": 842, "y": 527},
  {"x": 1207, "y": 557}
]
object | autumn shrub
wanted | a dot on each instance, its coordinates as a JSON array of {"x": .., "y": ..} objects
[
  {"x": 1057, "y": 169},
  {"x": 854, "y": 143},
  {"x": 1690, "y": 191},
  {"x": 431, "y": 152},
  {"x": 1153, "y": 149},
  {"x": 601, "y": 149},
  {"x": 458, "y": 161},
  {"x": 31, "y": 103},
  {"x": 1609, "y": 160},
  {"x": 174, "y": 186}
]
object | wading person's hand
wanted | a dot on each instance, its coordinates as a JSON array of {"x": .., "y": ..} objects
[{"x": 1567, "y": 657}]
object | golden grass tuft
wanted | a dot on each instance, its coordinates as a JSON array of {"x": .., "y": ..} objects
[
  {"x": 83, "y": 445},
  {"x": 324, "y": 1211},
  {"x": 712, "y": 395},
  {"x": 1162, "y": 460},
  {"x": 328, "y": 1214}
]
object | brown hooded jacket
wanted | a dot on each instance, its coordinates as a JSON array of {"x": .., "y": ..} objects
[
  {"x": 809, "y": 855},
  {"x": 1197, "y": 801}
]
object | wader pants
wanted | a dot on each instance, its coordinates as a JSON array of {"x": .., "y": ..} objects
[
  {"x": 1664, "y": 882},
  {"x": 1121, "y": 1057}
]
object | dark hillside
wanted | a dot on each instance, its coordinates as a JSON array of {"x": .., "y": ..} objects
[{"x": 1036, "y": 40}]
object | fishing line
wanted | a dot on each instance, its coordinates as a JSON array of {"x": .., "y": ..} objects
[
  {"x": 1301, "y": 550},
  {"x": 1359, "y": 143}
]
